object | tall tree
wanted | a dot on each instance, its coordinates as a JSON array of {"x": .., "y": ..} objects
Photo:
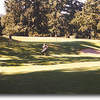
[
  {"x": 39, "y": 16},
  {"x": 69, "y": 8},
  {"x": 1, "y": 28},
  {"x": 88, "y": 19}
]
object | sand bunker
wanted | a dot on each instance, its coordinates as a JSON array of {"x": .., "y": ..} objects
[{"x": 90, "y": 50}]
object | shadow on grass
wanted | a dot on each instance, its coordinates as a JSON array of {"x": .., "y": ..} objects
[
  {"x": 47, "y": 61},
  {"x": 71, "y": 47},
  {"x": 27, "y": 52},
  {"x": 51, "y": 82}
]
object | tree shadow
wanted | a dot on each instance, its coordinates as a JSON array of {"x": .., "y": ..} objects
[
  {"x": 29, "y": 52},
  {"x": 73, "y": 47},
  {"x": 47, "y": 61},
  {"x": 51, "y": 82}
]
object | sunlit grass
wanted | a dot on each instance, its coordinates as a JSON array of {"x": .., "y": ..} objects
[
  {"x": 72, "y": 67},
  {"x": 65, "y": 71},
  {"x": 20, "y": 53}
]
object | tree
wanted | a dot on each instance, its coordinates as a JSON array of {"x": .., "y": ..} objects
[
  {"x": 88, "y": 19},
  {"x": 68, "y": 9},
  {"x": 44, "y": 17},
  {"x": 61, "y": 15},
  {"x": 1, "y": 28}
]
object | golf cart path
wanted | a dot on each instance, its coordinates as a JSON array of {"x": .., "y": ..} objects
[{"x": 27, "y": 68}]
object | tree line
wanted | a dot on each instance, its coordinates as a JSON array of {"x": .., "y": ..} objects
[
  {"x": 87, "y": 21},
  {"x": 51, "y": 18}
]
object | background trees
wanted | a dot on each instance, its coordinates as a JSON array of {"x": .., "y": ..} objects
[
  {"x": 1, "y": 28},
  {"x": 88, "y": 19},
  {"x": 52, "y": 18},
  {"x": 39, "y": 17}
]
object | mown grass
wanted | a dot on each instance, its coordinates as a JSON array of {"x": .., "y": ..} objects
[
  {"x": 51, "y": 82},
  {"x": 78, "y": 81},
  {"x": 19, "y": 53}
]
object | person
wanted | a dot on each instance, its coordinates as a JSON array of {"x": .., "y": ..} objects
[{"x": 44, "y": 49}]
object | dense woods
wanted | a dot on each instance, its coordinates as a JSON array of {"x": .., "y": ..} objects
[
  {"x": 88, "y": 20},
  {"x": 51, "y": 18}
]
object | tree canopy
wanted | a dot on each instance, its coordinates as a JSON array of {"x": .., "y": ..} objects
[
  {"x": 1, "y": 28},
  {"x": 39, "y": 17},
  {"x": 89, "y": 18}
]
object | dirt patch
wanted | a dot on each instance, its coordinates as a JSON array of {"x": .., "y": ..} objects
[{"x": 90, "y": 50}]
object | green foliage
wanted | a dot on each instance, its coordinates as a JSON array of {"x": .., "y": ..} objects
[
  {"x": 0, "y": 27},
  {"x": 88, "y": 18},
  {"x": 38, "y": 16},
  {"x": 98, "y": 26}
]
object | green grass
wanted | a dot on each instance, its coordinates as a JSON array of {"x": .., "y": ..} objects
[
  {"x": 51, "y": 82},
  {"x": 19, "y": 53},
  {"x": 47, "y": 82}
]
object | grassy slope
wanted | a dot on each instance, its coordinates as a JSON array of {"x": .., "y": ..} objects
[
  {"x": 20, "y": 53},
  {"x": 51, "y": 82},
  {"x": 47, "y": 82}
]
